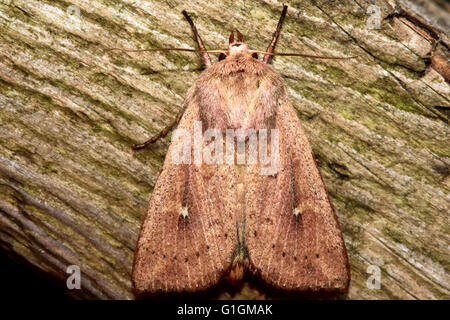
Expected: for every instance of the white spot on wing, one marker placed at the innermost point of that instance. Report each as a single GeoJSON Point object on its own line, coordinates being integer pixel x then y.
{"type": "Point", "coordinates": [184, 212]}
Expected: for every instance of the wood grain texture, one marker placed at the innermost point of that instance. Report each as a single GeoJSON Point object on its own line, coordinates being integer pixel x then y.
{"type": "Point", "coordinates": [73, 192]}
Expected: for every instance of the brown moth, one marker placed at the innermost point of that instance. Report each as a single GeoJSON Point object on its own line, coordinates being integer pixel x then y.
{"type": "Point", "coordinates": [208, 220]}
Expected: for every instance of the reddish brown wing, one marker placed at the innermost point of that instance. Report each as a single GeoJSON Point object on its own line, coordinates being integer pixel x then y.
{"type": "Point", "coordinates": [176, 253]}
{"type": "Point", "coordinates": [296, 252]}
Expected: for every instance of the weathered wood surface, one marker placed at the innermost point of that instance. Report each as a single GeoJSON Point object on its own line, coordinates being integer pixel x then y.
{"type": "Point", "coordinates": [73, 192]}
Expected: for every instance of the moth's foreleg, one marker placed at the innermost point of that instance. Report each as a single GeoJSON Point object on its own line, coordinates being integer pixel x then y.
{"type": "Point", "coordinates": [205, 57]}
{"type": "Point", "coordinates": [162, 133]}
{"type": "Point", "coordinates": [276, 34]}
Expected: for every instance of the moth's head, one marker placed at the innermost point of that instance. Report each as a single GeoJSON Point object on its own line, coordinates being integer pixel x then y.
{"type": "Point", "coordinates": [237, 47]}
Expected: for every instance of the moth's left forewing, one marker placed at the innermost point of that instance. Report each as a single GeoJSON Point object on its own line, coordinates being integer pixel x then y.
{"type": "Point", "coordinates": [187, 240]}
{"type": "Point", "coordinates": [293, 236]}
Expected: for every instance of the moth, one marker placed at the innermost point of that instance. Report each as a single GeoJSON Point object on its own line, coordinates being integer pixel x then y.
{"type": "Point", "coordinates": [209, 220]}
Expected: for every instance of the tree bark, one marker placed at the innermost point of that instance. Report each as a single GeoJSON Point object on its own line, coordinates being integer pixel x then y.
{"type": "Point", "coordinates": [73, 192]}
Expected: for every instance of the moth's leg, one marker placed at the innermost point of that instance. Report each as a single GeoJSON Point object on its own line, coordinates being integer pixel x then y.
{"type": "Point", "coordinates": [267, 58]}
{"type": "Point", "coordinates": [162, 134]}
{"type": "Point", "coordinates": [205, 57]}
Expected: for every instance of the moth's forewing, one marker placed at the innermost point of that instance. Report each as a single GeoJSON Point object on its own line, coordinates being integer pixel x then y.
{"type": "Point", "coordinates": [188, 236]}
{"type": "Point", "coordinates": [292, 234]}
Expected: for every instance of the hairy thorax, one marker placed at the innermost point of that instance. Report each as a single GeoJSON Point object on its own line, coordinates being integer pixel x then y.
{"type": "Point", "coordinates": [239, 92]}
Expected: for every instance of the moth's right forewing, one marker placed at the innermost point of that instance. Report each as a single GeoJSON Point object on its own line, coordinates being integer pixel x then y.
{"type": "Point", "coordinates": [292, 234]}
{"type": "Point", "coordinates": [188, 236]}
